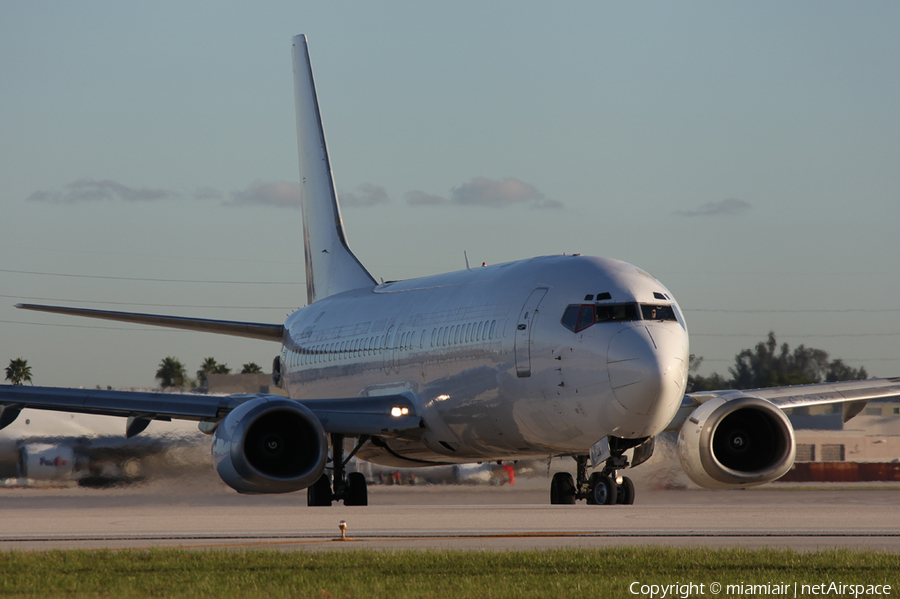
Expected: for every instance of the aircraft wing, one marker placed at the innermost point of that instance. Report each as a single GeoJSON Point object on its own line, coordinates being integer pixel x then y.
{"type": "Point", "coordinates": [852, 394]}
{"type": "Point", "coordinates": [355, 416]}
{"type": "Point", "coordinates": [252, 330]}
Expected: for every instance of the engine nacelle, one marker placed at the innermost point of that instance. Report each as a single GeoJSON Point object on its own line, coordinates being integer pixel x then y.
{"type": "Point", "coordinates": [737, 441]}
{"type": "Point", "coordinates": [42, 461]}
{"type": "Point", "coordinates": [270, 445]}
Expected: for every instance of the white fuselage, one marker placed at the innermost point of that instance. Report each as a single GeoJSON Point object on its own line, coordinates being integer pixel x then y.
{"type": "Point", "coordinates": [496, 373]}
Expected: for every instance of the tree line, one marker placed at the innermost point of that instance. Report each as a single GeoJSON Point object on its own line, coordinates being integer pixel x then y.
{"type": "Point", "coordinates": [770, 365]}
{"type": "Point", "coordinates": [172, 373]}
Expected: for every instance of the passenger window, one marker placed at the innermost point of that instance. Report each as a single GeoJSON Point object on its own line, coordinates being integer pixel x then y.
{"type": "Point", "coordinates": [456, 334]}
{"type": "Point", "coordinates": [480, 332]}
{"type": "Point", "coordinates": [493, 326]}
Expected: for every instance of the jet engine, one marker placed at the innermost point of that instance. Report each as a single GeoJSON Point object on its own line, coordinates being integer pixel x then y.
{"type": "Point", "coordinates": [736, 441]}
{"type": "Point", "coordinates": [270, 445]}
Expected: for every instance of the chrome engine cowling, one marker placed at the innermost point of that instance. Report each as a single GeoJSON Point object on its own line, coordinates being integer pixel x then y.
{"type": "Point", "coordinates": [270, 445]}
{"type": "Point", "coordinates": [736, 441]}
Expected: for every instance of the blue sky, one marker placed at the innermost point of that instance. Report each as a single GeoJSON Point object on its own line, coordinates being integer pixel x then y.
{"type": "Point", "coordinates": [744, 154]}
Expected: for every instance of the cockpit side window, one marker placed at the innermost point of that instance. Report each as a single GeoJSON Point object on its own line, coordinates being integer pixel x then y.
{"type": "Point", "coordinates": [662, 312]}
{"type": "Point", "coordinates": [570, 317]}
{"type": "Point", "coordinates": [585, 318]}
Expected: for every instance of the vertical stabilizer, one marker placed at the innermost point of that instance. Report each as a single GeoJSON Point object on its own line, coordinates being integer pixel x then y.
{"type": "Point", "coordinates": [330, 265]}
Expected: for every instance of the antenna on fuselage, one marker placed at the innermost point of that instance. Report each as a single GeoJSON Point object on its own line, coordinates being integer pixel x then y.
{"type": "Point", "coordinates": [330, 265]}
{"type": "Point", "coordinates": [466, 256]}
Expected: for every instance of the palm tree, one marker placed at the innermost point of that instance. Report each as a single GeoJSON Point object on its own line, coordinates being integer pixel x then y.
{"type": "Point", "coordinates": [252, 368]}
{"type": "Point", "coordinates": [171, 373]}
{"type": "Point", "coordinates": [18, 372]}
{"type": "Point", "coordinates": [210, 366]}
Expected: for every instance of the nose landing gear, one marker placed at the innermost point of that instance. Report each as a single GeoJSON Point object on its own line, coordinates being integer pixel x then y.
{"type": "Point", "coordinates": [602, 488]}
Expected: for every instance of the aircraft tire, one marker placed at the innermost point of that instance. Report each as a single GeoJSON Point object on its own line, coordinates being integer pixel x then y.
{"type": "Point", "coordinates": [319, 493]}
{"type": "Point", "coordinates": [357, 494]}
{"type": "Point", "coordinates": [603, 490]}
{"type": "Point", "coordinates": [625, 494]}
{"type": "Point", "coordinates": [562, 489]}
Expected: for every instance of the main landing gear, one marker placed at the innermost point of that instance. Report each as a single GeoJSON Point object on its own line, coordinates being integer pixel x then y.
{"type": "Point", "coordinates": [351, 489]}
{"type": "Point", "coordinates": [601, 488]}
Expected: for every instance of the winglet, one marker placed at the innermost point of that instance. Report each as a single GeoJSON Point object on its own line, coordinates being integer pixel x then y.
{"type": "Point", "coordinates": [330, 265]}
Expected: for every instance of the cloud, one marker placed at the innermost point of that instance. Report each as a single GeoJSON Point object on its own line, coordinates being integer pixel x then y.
{"type": "Point", "coordinates": [481, 191]}
{"type": "Point", "coordinates": [420, 198]}
{"type": "Point", "coordinates": [92, 190]}
{"type": "Point", "coordinates": [282, 194]}
{"type": "Point", "coordinates": [727, 207]}
{"type": "Point", "coordinates": [207, 193]}
{"type": "Point", "coordinates": [366, 195]}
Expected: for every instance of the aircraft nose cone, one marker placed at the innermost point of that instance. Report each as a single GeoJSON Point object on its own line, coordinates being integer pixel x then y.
{"type": "Point", "coordinates": [647, 368]}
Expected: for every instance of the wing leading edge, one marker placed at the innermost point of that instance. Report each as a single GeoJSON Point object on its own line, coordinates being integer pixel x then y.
{"type": "Point", "coordinates": [251, 330]}
{"type": "Point", "coordinates": [354, 416]}
{"type": "Point", "coordinates": [854, 395]}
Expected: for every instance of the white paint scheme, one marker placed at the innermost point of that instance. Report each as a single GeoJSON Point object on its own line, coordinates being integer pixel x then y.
{"type": "Point", "coordinates": [330, 266]}
{"type": "Point", "coordinates": [494, 396]}
{"type": "Point", "coordinates": [623, 379]}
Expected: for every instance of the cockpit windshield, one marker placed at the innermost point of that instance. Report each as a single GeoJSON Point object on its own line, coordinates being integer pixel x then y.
{"type": "Point", "coordinates": [578, 317]}
{"type": "Point", "coordinates": [615, 312]}
{"type": "Point", "coordinates": [662, 312]}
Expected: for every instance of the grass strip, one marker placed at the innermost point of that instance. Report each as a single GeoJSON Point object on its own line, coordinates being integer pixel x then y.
{"type": "Point", "coordinates": [440, 574]}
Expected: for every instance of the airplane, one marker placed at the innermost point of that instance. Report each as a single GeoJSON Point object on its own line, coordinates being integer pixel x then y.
{"type": "Point", "coordinates": [55, 448]}
{"type": "Point", "coordinates": [566, 355]}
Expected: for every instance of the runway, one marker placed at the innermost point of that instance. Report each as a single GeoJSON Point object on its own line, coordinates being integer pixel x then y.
{"type": "Point", "coordinates": [205, 514]}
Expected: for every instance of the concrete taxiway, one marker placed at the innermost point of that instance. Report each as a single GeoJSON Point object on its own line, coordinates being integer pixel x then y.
{"type": "Point", "coordinates": [206, 514]}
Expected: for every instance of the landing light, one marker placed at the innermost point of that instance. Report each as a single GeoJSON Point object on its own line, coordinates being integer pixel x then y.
{"type": "Point", "coordinates": [398, 411]}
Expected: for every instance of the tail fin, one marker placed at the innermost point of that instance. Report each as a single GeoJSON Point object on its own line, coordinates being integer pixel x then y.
{"type": "Point", "coordinates": [330, 265]}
